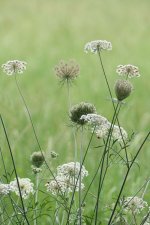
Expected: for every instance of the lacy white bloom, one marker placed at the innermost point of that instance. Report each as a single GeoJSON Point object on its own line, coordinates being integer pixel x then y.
{"type": "Point", "coordinates": [57, 186]}
{"type": "Point", "coordinates": [118, 133]}
{"type": "Point", "coordinates": [71, 170]}
{"type": "Point", "coordinates": [4, 189]}
{"type": "Point", "coordinates": [102, 131]}
{"type": "Point", "coordinates": [134, 204]}
{"type": "Point", "coordinates": [97, 45]}
{"type": "Point", "coordinates": [128, 70]}
{"type": "Point", "coordinates": [14, 66]}
{"type": "Point", "coordinates": [98, 124]}
{"type": "Point", "coordinates": [25, 185]}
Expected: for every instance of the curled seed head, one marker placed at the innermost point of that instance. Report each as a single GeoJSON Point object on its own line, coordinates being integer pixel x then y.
{"type": "Point", "coordinates": [80, 109]}
{"type": "Point", "coordinates": [123, 89]}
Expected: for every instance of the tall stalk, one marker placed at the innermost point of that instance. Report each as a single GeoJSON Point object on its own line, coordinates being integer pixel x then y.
{"type": "Point", "coordinates": [15, 170]}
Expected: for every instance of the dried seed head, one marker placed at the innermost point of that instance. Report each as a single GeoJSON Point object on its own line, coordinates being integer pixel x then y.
{"type": "Point", "coordinates": [37, 159]}
{"type": "Point", "coordinates": [123, 89]}
{"type": "Point", "coordinates": [67, 71]}
{"type": "Point", "coordinates": [81, 109]}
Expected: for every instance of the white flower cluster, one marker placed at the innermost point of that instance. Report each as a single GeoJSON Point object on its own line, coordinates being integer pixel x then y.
{"type": "Point", "coordinates": [128, 70]}
{"type": "Point", "coordinates": [25, 185]}
{"type": "Point", "coordinates": [97, 45]}
{"type": "Point", "coordinates": [4, 189]}
{"type": "Point", "coordinates": [101, 126]}
{"type": "Point", "coordinates": [134, 204]}
{"type": "Point", "coordinates": [67, 179]}
{"type": "Point", "coordinates": [147, 217]}
{"type": "Point", "coordinates": [14, 66]}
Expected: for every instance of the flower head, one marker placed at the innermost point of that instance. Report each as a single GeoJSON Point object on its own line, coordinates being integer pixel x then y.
{"type": "Point", "coordinates": [128, 70]}
{"type": "Point", "coordinates": [98, 124]}
{"type": "Point", "coordinates": [97, 45]}
{"type": "Point", "coordinates": [123, 89]}
{"type": "Point", "coordinates": [78, 110]}
{"type": "Point", "coordinates": [67, 180]}
{"type": "Point", "coordinates": [25, 185]}
{"type": "Point", "coordinates": [71, 170]}
{"type": "Point", "coordinates": [67, 71]}
{"type": "Point", "coordinates": [14, 67]}
{"type": "Point", "coordinates": [119, 134]}
{"type": "Point", "coordinates": [134, 204]}
{"type": "Point", "coordinates": [37, 159]}
{"type": "Point", "coordinates": [4, 189]}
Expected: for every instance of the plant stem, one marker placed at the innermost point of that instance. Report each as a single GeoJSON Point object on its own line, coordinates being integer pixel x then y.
{"type": "Point", "coordinates": [36, 199]}
{"type": "Point", "coordinates": [125, 178]}
{"type": "Point", "coordinates": [15, 170]}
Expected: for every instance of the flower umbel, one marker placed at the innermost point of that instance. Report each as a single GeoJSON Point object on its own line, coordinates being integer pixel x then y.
{"type": "Point", "coordinates": [79, 110]}
{"type": "Point", "coordinates": [67, 71]}
{"type": "Point", "coordinates": [128, 70]}
{"type": "Point", "coordinates": [97, 45]}
{"type": "Point", "coordinates": [4, 189]}
{"type": "Point", "coordinates": [14, 67]}
{"type": "Point", "coordinates": [134, 204]}
{"type": "Point", "coordinates": [26, 187]}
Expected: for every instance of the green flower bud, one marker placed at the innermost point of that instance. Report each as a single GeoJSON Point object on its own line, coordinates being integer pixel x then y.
{"type": "Point", "coordinates": [37, 159]}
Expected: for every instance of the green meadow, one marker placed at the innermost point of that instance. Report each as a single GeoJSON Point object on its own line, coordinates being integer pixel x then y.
{"type": "Point", "coordinates": [42, 32]}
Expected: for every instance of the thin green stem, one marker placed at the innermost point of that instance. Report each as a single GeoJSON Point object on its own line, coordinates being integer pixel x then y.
{"type": "Point", "coordinates": [125, 178]}
{"type": "Point", "coordinates": [15, 170]}
{"type": "Point", "coordinates": [36, 199]}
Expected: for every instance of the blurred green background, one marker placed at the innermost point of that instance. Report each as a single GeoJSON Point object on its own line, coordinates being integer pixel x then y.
{"type": "Point", "coordinates": [42, 32]}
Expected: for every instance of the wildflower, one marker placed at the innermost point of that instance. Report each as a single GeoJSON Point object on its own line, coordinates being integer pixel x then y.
{"type": "Point", "coordinates": [134, 204]}
{"type": "Point", "coordinates": [128, 70]}
{"type": "Point", "coordinates": [37, 159]}
{"type": "Point", "coordinates": [4, 189]}
{"type": "Point", "coordinates": [14, 67]}
{"type": "Point", "coordinates": [81, 109]}
{"type": "Point", "coordinates": [93, 119]}
{"type": "Point", "coordinates": [123, 89]}
{"type": "Point", "coordinates": [98, 124]}
{"type": "Point", "coordinates": [119, 133]}
{"type": "Point", "coordinates": [25, 185]}
{"type": "Point", "coordinates": [57, 186]}
{"type": "Point", "coordinates": [102, 131]}
{"type": "Point", "coordinates": [71, 170]}
{"type": "Point", "coordinates": [97, 45]}
{"type": "Point", "coordinates": [67, 71]}
{"type": "Point", "coordinates": [36, 169]}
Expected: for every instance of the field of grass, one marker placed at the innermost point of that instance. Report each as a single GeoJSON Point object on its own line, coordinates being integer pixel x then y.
{"type": "Point", "coordinates": [42, 32]}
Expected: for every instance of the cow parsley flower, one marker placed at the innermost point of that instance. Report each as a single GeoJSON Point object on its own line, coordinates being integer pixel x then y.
{"type": "Point", "coordinates": [97, 45]}
{"type": "Point", "coordinates": [62, 185]}
{"type": "Point", "coordinates": [134, 204]}
{"type": "Point", "coordinates": [67, 71]}
{"type": "Point", "coordinates": [14, 67]}
{"type": "Point", "coordinates": [118, 133]}
{"type": "Point", "coordinates": [128, 70]}
{"type": "Point", "coordinates": [57, 186]}
{"type": "Point", "coordinates": [4, 189]}
{"type": "Point", "coordinates": [71, 170]}
{"type": "Point", "coordinates": [25, 185]}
